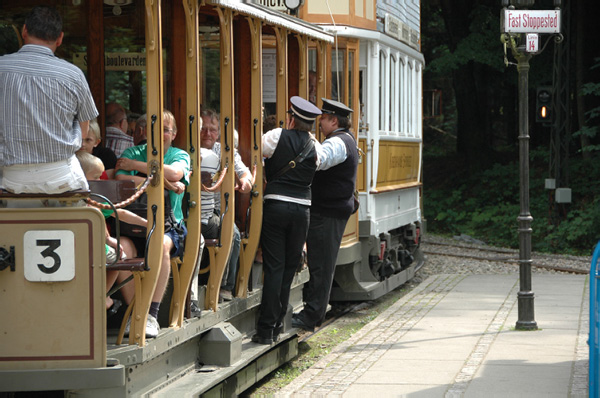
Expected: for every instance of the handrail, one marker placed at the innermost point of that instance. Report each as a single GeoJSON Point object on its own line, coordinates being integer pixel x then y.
{"type": "Point", "coordinates": [117, 227]}
{"type": "Point", "coordinates": [126, 202]}
{"type": "Point", "coordinates": [217, 185]}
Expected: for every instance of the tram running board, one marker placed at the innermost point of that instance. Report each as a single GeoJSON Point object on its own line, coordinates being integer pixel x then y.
{"type": "Point", "coordinates": [256, 362]}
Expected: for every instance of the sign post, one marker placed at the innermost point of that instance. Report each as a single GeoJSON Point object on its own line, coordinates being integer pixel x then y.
{"type": "Point", "coordinates": [521, 30]}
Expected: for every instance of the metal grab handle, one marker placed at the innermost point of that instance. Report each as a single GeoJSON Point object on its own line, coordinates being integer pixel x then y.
{"type": "Point", "coordinates": [154, 210]}
{"type": "Point", "coordinates": [192, 149]}
{"type": "Point", "coordinates": [255, 123]}
{"type": "Point", "coordinates": [226, 195]}
{"type": "Point", "coordinates": [154, 151]}
{"type": "Point", "coordinates": [117, 227]}
{"type": "Point", "coordinates": [227, 148]}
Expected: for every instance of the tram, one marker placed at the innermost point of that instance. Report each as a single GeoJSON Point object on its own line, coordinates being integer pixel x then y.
{"type": "Point", "coordinates": [244, 60]}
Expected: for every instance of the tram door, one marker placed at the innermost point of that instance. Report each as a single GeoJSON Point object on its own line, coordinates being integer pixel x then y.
{"type": "Point", "coordinates": [345, 88]}
{"type": "Point", "coordinates": [52, 288]}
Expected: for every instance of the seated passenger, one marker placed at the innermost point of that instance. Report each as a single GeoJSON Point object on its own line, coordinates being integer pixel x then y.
{"type": "Point", "coordinates": [93, 168]}
{"type": "Point", "coordinates": [208, 215]}
{"type": "Point", "coordinates": [90, 144]}
{"type": "Point", "coordinates": [176, 170]}
{"type": "Point", "coordinates": [209, 139]}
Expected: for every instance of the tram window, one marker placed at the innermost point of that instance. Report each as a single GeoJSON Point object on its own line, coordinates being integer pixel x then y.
{"type": "Point", "coordinates": [361, 90]}
{"type": "Point", "coordinates": [402, 98]}
{"type": "Point", "coordinates": [351, 55]}
{"type": "Point", "coordinates": [312, 75]}
{"type": "Point", "coordinates": [337, 74]}
{"type": "Point", "coordinates": [411, 96]}
{"type": "Point", "coordinates": [211, 77]}
{"type": "Point", "coordinates": [382, 88]}
{"type": "Point", "coordinates": [125, 57]}
{"type": "Point", "coordinates": [269, 77]}
{"type": "Point", "coordinates": [392, 108]}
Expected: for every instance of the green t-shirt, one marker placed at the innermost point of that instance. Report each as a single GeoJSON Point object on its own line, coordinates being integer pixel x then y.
{"type": "Point", "coordinates": [173, 156]}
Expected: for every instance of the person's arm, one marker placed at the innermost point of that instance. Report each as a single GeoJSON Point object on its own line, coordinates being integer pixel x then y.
{"type": "Point", "coordinates": [131, 218]}
{"type": "Point", "coordinates": [174, 172]}
{"type": "Point", "coordinates": [245, 182]}
{"type": "Point", "coordinates": [331, 153]}
{"type": "Point", "coordinates": [269, 141]}
{"type": "Point", "coordinates": [127, 164]}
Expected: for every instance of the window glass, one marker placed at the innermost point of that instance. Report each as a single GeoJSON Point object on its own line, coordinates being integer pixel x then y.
{"type": "Point", "coordinates": [337, 74]}
{"type": "Point", "coordinates": [382, 88]}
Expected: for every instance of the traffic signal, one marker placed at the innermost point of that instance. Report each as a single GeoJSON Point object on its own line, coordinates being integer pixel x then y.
{"type": "Point", "coordinates": [543, 105]}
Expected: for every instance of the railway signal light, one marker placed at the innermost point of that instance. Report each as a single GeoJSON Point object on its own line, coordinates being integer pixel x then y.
{"type": "Point", "coordinates": [543, 104]}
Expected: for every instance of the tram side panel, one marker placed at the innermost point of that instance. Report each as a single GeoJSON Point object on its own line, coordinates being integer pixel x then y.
{"type": "Point", "coordinates": [389, 177]}
{"type": "Point", "coordinates": [52, 290]}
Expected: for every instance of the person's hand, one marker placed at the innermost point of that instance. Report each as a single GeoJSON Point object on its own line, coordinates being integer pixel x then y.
{"type": "Point", "coordinates": [244, 185]}
{"type": "Point", "coordinates": [125, 164]}
{"type": "Point", "coordinates": [179, 187]}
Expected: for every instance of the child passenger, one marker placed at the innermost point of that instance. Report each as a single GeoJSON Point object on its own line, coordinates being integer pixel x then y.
{"type": "Point", "coordinates": [93, 168]}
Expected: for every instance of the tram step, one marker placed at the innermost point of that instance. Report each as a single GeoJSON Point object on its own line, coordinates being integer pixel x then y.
{"type": "Point", "coordinates": [256, 361]}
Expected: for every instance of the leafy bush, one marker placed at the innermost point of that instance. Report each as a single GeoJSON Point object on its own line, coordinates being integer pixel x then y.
{"type": "Point", "coordinates": [486, 204]}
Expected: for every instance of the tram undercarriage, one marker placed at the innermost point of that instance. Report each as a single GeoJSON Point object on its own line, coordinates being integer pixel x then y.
{"type": "Point", "coordinates": [377, 265]}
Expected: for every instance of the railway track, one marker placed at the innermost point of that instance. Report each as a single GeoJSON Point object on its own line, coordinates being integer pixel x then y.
{"type": "Point", "coordinates": [511, 256]}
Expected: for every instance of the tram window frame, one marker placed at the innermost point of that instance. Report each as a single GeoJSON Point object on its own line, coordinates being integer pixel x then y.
{"type": "Point", "coordinates": [412, 96]}
{"type": "Point", "coordinates": [336, 70]}
{"type": "Point", "coordinates": [393, 94]}
{"type": "Point", "coordinates": [403, 98]}
{"type": "Point", "coordinates": [382, 90]}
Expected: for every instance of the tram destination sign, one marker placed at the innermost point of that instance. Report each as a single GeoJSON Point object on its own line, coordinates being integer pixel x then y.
{"type": "Point", "coordinates": [530, 21]}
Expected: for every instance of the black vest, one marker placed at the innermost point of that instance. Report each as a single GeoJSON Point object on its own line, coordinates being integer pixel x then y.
{"type": "Point", "coordinates": [333, 189]}
{"type": "Point", "coordinates": [296, 181]}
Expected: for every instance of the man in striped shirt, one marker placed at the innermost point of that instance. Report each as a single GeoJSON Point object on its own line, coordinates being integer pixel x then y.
{"type": "Point", "coordinates": [45, 104]}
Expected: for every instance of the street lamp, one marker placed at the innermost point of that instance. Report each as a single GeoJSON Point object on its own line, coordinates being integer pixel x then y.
{"type": "Point", "coordinates": [521, 30]}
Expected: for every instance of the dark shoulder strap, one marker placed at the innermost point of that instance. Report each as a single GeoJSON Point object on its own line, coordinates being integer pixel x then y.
{"type": "Point", "coordinates": [298, 159]}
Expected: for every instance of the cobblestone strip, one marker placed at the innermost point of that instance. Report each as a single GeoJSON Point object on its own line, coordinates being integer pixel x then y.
{"type": "Point", "coordinates": [579, 378]}
{"type": "Point", "coordinates": [333, 374]}
{"type": "Point", "coordinates": [475, 359]}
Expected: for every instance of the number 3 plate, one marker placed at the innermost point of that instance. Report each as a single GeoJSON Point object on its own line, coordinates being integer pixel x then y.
{"type": "Point", "coordinates": [49, 256]}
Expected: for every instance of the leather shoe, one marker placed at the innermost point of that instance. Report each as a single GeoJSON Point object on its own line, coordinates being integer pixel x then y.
{"type": "Point", "coordinates": [114, 308]}
{"type": "Point", "coordinates": [276, 332]}
{"type": "Point", "coordinates": [262, 340]}
{"type": "Point", "coordinates": [298, 323]}
{"type": "Point", "coordinates": [194, 310]}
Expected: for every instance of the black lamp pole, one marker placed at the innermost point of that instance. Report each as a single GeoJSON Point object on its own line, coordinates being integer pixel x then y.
{"type": "Point", "coordinates": [517, 44]}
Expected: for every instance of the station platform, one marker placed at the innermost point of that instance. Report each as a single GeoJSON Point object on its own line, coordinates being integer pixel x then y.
{"type": "Point", "coordinates": [455, 336]}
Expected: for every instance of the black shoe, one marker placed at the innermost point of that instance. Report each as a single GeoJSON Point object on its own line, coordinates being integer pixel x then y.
{"type": "Point", "coordinates": [298, 323]}
{"type": "Point", "coordinates": [114, 308]}
{"type": "Point", "coordinates": [194, 310]}
{"type": "Point", "coordinates": [262, 340]}
{"type": "Point", "coordinates": [276, 332]}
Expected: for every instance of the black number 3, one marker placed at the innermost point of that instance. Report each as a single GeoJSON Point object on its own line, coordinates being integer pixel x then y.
{"type": "Point", "coordinates": [52, 244]}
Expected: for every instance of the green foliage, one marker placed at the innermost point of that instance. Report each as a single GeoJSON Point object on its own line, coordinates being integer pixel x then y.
{"type": "Point", "coordinates": [475, 47]}
{"type": "Point", "coordinates": [486, 204]}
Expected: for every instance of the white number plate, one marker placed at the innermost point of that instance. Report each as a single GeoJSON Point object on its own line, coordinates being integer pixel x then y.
{"type": "Point", "coordinates": [49, 256]}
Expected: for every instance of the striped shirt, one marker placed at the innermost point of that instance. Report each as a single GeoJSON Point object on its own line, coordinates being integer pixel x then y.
{"type": "Point", "coordinates": [117, 140]}
{"type": "Point", "coordinates": [42, 101]}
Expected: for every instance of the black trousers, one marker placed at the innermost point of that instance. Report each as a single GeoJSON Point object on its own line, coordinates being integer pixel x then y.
{"type": "Point", "coordinates": [322, 244]}
{"type": "Point", "coordinates": [284, 230]}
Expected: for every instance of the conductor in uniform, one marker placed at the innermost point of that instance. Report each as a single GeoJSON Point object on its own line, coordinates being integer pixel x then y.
{"type": "Point", "coordinates": [332, 204]}
{"type": "Point", "coordinates": [290, 165]}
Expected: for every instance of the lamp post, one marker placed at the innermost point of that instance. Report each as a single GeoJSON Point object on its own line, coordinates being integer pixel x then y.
{"type": "Point", "coordinates": [523, 46]}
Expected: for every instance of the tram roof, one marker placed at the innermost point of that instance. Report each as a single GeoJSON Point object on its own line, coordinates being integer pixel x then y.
{"type": "Point", "coordinates": [276, 18]}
